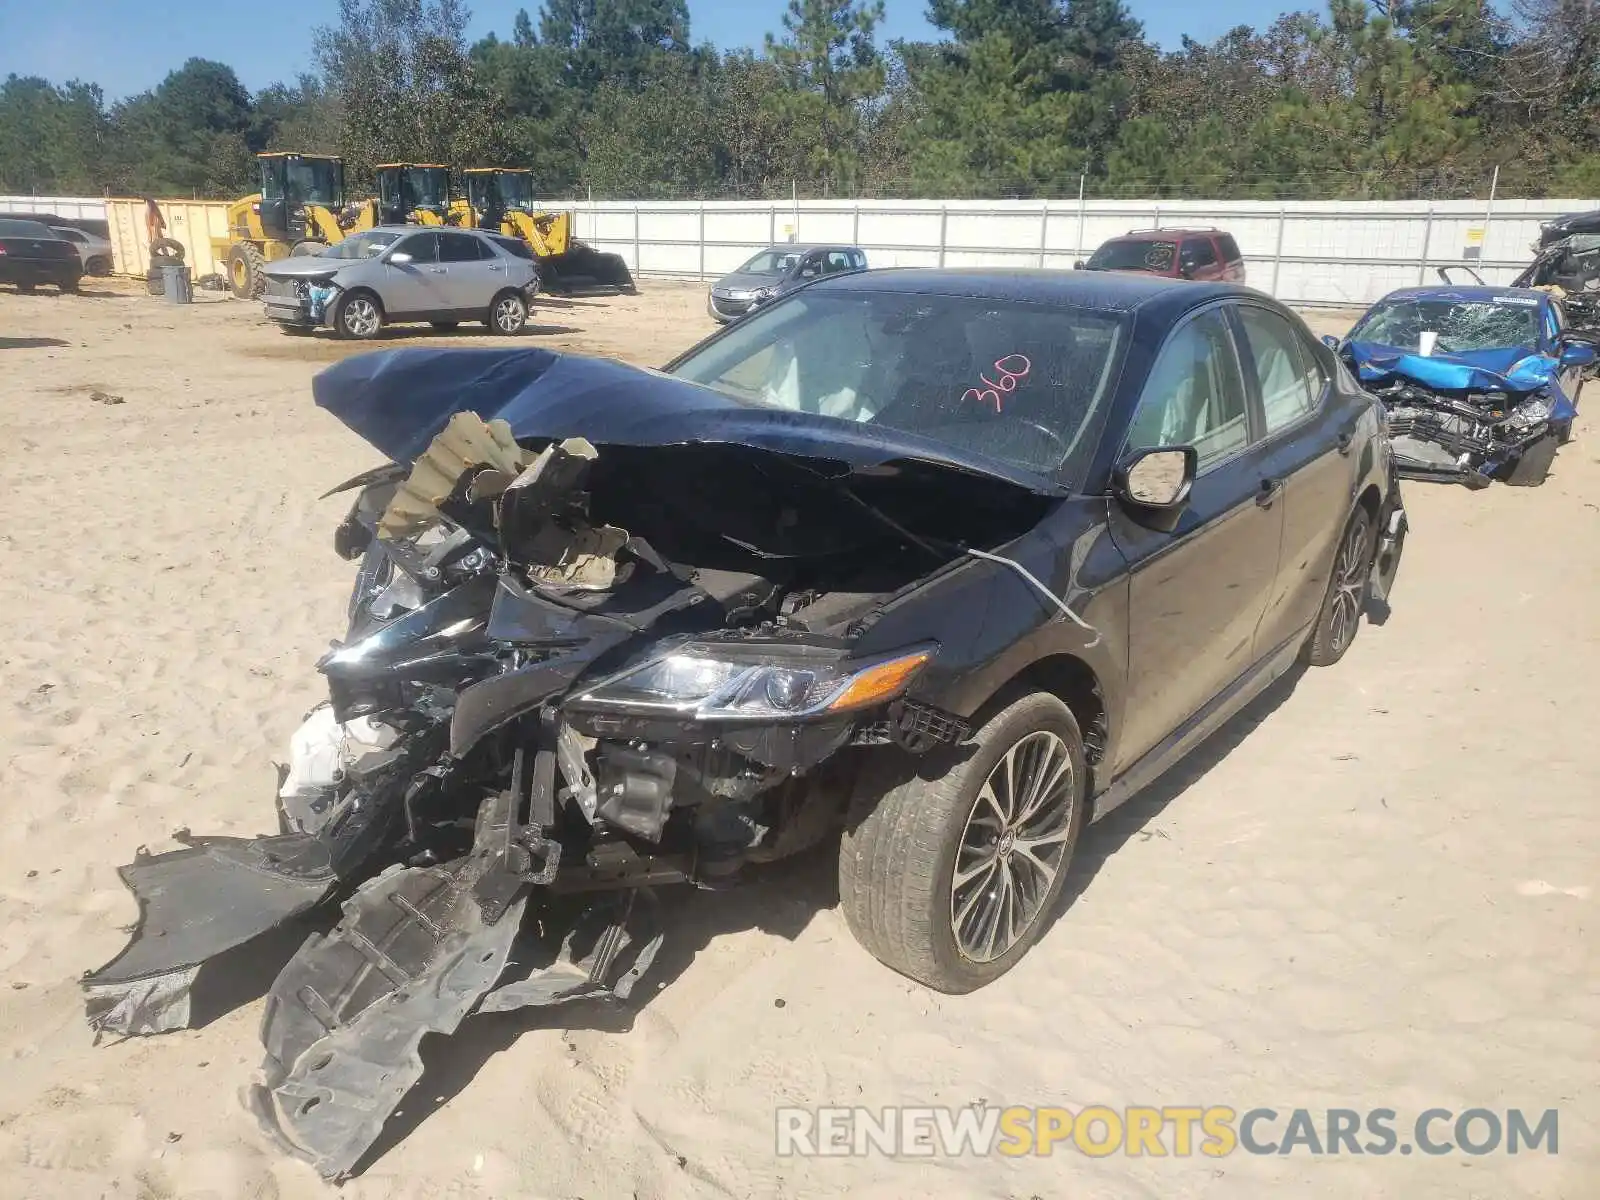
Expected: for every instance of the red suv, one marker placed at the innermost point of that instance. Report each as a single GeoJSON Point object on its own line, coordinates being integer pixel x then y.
{"type": "Point", "coordinates": [1175, 253]}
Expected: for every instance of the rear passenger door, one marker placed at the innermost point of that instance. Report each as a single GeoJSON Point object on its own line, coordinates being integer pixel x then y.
{"type": "Point", "coordinates": [1306, 444]}
{"type": "Point", "coordinates": [469, 269]}
{"type": "Point", "coordinates": [1196, 594]}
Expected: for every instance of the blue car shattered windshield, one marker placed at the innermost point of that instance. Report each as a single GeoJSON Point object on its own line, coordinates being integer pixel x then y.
{"type": "Point", "coordinates": [1462, 326]}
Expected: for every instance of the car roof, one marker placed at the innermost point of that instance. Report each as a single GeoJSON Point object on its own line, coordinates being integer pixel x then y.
{"type": "Point", "coordinates": [1103, 290]}
{"type": "Point", "coordinates": [1161, 235]}
{"type": "Point", "coordinates": [807, 247]}
{"type": "Point", "coordinates": [1477, 292]}
{"type": "Point", "coordinates": [428, 229]}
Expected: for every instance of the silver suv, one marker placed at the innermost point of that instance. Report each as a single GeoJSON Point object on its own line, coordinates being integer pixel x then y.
{"type": "Point", "coordinates": [398, 273]}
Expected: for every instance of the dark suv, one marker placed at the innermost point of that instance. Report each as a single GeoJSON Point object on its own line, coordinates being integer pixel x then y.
{"type": "Point", "coordinates": [1173, 253]}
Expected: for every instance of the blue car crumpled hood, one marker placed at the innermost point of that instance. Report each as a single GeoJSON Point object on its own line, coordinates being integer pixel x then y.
{"type": "Point", "coordinates": [399, 400]}
{"type": "Point", "coordinates": [1501, 369]}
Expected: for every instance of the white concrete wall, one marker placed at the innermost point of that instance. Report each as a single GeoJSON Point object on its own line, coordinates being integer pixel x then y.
{"type": "Point", "coordinates": [86, 208]}
{"type": "Point", "coordinates": [1305, 252]}
{"type": "Point", "coordinates": [1341, 252]}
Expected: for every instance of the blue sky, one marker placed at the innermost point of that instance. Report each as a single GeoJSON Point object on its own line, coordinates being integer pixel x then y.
{"type": "Point", "coordinates": [122, 46]}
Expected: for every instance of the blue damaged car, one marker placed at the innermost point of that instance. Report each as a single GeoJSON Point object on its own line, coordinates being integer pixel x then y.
{"type": "Point", "coordinates": [1479, 383]}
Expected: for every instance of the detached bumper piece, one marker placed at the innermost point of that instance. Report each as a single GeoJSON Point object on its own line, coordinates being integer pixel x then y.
{"type": "Point", "coordinates": [418, 949]}
{"type": "Point", "coordinates": [194, 904]}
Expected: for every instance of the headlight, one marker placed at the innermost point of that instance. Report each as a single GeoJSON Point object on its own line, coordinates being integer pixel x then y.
{"type": "Point", "coordinates": [1532, 412]}
{"type": "Point", "coordinates": [710, 682]}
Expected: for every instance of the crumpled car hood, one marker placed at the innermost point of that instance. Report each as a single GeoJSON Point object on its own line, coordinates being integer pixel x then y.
{"type": "Point", "coordinates": [1500, 369]}
{"type": "Point", "coordinates": [399, 400]}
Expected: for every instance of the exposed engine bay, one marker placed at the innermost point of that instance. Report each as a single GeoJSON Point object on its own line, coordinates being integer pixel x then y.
{"type": "Point", "coordinates": [571, 672]}
{"type": "Point", "coordinates": [1473, 436]}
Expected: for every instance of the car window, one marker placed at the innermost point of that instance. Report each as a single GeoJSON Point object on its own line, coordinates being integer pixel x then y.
{"type": "Point", "coordinates": [1133, 255]}
{"type": "Point", "coordinates": [72, 235]}
{"type": "Point", "coordinates": [858, 260]}
{"type": "Point", "coordinates": [1013, 381]}
{"type": "Point", "coordinates": [1230, 248]}
{"type": "Point", "coordinates": [457, 247]}
{"type": "Point", "coordinates": [423, 247]}
{"type": "Point", "coordinates": [1194, 396]}
{"type": "Point", "coordinates": [515, 246]}
{"type": "Point", "coordinates": [1286, 387]}
{"type": "Point", "coordinates": [25, 229]}
{"type": "Point", "coordinates": [1553, 319]}
{"type": "Point", "coordinates": [1199, 252]}
{"type": "Point", "coordinates": [811, 266]}
{"type": "Point", "coordinates": [837, 260]}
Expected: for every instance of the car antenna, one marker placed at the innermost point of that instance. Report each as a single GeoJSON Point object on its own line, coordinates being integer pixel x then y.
{"type": "Point", "coordinates": [1040, 587]}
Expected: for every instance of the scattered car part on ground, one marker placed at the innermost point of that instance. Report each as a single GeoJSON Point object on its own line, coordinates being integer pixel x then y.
{"type": "Point", "coordinates": [403, 273]}
{"type": "Point", "coordinates": [777, 271]}
{"type": "Point", "coordinates": [1201, 254]}
{"type": "Point", "coordinates": [31, 254]}
{"type": "Point", "coordinates": [1479, 383]}
{"type": "Point", "coordinates": [946, 563]}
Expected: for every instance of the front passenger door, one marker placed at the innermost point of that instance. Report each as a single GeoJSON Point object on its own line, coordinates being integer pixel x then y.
{"type": "Point", "coordinates": [1196, 593]}
{"type": "Point", "coordinates": [412, 287]}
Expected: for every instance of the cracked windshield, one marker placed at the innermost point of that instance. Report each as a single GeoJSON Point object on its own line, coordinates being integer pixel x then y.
{"type": "Point", "coordinates": [1461, 325]}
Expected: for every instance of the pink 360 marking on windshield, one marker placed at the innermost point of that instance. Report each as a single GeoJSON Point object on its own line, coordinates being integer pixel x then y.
{"type": "Point", "coordinates": [1011, 369]}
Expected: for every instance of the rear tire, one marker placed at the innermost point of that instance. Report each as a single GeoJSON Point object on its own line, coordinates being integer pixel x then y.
{"type": "Point", "coordinates": [246, 271]}
{"type": "Point", "coordinates": [907, 839]}
{"type": "Point", "coordinates": [25, 288]}
{"type": "Point", "coordinates": [99, 267]}
{"type": "Point", "coordinates": [358, 315]}
{"type": "Point", "coordinates": [508, 314]}
{"type": "Point", "coordinates": [1346, 599]}
{"type": "Point", "coordinates": [68, 285]}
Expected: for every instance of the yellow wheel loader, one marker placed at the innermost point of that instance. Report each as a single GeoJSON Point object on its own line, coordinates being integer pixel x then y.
{"type": "Point", "coordinates": [301, 208]}
{"type": "Point", "coordinates": [299, 202]}
{"type": "Point", "coordinates": [501, 199]}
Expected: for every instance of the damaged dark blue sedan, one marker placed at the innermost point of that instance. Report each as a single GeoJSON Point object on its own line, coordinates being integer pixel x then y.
{"type": "Point", "coordinates": [1480, 383]}
{"type": "Point", "coordinates": [933, 566]}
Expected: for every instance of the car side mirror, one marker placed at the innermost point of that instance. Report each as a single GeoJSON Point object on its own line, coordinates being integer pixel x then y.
{"type": "Point", "coordinates": [399, 258]}
{"type": "Point", "coordinates": [1331, 342]}
{"type": "Point", "coordinates": [1079, 265]}
{"type": "Point", "coordinates": [1155, 484]}
{"type": "Point", "coordinates": [1578, 354]}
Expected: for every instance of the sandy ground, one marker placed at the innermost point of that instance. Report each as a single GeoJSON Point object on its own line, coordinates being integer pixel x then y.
{"type": "Point", "coordinates": [1370, 891]}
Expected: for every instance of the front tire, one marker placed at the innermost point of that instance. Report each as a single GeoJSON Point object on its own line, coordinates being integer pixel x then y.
{"type": "Point", "coordinates": [357, 316]}
{"type": "Point", "coordinates": [246, 271]}
{"type": "Point", "coordinates": [950, 875]}
{"type": "Point", "coordinates": [508, 313]}
{"type": "Point", "coordinates": [1346, 597]}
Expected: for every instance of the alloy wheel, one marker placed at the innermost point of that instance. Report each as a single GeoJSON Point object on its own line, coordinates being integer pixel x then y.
{"type": "Point", "coordinates": [361, 317]}
{"type": "Point", "coordinates": [509, 314]}
{"type": "Point", "coordinates": [1013, 846]}
{"type": "Point", "coordinates": [1349, 585]}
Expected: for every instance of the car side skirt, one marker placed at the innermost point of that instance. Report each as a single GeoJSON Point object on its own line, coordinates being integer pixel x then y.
{"type": "Point", "coordinates": [1225, 705]}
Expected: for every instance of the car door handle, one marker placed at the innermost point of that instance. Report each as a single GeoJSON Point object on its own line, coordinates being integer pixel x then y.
{"type": "Point", "coordinates": [495, 267]}
{"type": "Point", "coordinates": [1268, 492]}
{"type": "Point", "coordinates": [437, 270]}
{"type": "Point", "coordinates": [1346, 437]}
